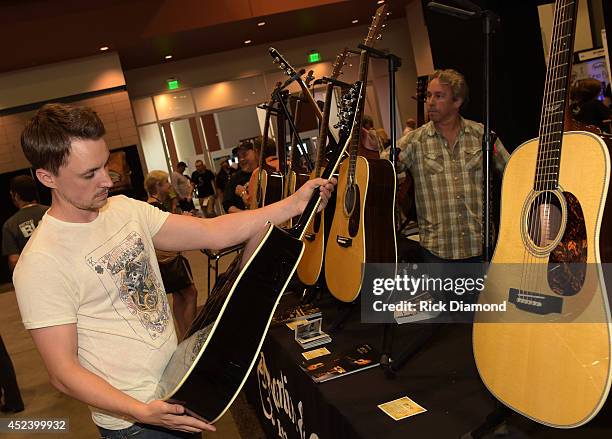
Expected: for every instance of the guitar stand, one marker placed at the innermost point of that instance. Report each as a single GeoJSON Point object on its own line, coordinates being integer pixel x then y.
{"type": "Point", "coordinates": [312, 294]}
{"type": "Point", "coordinates": [495, 421]}
{"type": "Point", "coordinates": [344, 312]}
{"type": "Point", "coordinates": [293, 129]}
{"type": "Point", "coordinates": [419, 341]}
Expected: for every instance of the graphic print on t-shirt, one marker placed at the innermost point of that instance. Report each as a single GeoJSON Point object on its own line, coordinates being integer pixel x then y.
{"type": "Point", "coordinates": [128, 265]}
{"type": "Point", "coordinates": [27, 228]}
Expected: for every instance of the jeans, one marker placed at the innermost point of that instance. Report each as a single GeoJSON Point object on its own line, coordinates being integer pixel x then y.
{"type": "Point", "coordinates": [141, 431]}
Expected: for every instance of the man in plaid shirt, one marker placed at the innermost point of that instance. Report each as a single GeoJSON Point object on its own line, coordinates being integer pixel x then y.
{"type": "Point", "coordinates": [445, 159]}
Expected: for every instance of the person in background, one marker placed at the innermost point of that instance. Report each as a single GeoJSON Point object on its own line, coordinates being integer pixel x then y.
{"type": "Point", "coordinates": [223, 177]}
{"type": "Point", "coordinates": [586, 106]}
{"type": "Point", "coordinates": [174, 267]}
{"type": "Point", "coordinates": [182, 187]}
{"type": "Point", "coordinates": [16, 232]}
{"type": "Point", "coordinates": [444, 157]}
{"type": "Point", "coordinates": [18, 228]}
{"type": "Point", "coordinates": [203, 179]}
{"type": "Point", "coordinates": [235, 192]}
{"type": "Point", "coordinates": [369, 143]}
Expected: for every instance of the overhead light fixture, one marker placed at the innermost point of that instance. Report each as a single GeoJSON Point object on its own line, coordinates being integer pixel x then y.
{"type": "Point", "coordinates": [168, 57]}
{"type": "Point", "coordinates": [380, 2]}
{"type": "Point", "coordinates": [261, 23]}
{"type": "Point", "coordinates": [355, 21]}
{"type": "Point", "coordinates": [247, 41]}
{"type": "Point", "coordinates": [104, 48]}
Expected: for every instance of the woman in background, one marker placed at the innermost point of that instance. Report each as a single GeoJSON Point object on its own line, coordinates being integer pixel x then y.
{"type": "Point", "coordinates": [174, 267]}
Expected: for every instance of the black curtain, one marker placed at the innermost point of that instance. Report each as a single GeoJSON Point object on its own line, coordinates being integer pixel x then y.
{"type": "Point", "coordinates": [518, 64]}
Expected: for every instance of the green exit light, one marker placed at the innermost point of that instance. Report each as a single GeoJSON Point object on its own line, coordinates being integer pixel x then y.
{"type": "Point", "coordinates": [173, 84]}
{"type": "Point", "coordinates": [314, 57]}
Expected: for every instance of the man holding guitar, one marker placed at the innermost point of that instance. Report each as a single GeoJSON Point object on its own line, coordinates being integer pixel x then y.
{"type": "Point", "coordinates": [445, 159]}
{"type": "Point", "coordinates": [88, 283]}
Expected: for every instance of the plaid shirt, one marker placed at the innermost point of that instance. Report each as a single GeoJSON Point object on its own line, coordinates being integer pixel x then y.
{"type": "Point", "coordinates": [448, 187]}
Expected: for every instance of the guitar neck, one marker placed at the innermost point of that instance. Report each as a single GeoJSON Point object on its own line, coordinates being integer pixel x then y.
{"type": "Point", "coordinates": [356, 138]}
{"type": "Point", "coordinates": [282, 137]}
{"type": "Point", "coordinates": [294, 141]}
{"type": "Point", "coordinates": [555, 96]}
{"type": "Point", "coordinates": [322, 140]}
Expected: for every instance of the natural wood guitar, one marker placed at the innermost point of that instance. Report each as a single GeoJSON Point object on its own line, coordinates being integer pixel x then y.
{"type": "Point", "coordinates": [548, 355]}
{"type": "Point", "coordinates": [311, 265]}
{"type": "Point", "coordinates": [363, 228]}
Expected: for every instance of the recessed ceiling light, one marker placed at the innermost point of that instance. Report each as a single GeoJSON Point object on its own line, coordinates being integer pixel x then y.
{"type": "Point", "coordinates": [380, 2]}
{"type": "Point", "coordinates": [104, 48]}
{"type": "Point", "coordinates": [247, 41]}
{"type": "Point", "coordinates": [168, 56]}
{"type": "Point", "coordinates": [261, 23]}
{"type": "Point", "coordinates": [355, 21]}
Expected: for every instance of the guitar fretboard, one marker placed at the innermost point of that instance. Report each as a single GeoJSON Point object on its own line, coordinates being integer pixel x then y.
{"type": "Point", "coordinates": [356, 140]}
{"type": "Point", "coordinates": [555, 96]}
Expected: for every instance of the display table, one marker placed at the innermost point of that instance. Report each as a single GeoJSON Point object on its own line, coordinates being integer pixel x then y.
{"type": "Point", "coordinates": [442, 377]}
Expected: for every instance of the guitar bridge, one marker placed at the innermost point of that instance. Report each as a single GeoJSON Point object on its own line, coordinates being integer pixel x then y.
{"type": "Point", "coordinates": [309, 236]}
{"type": "Point", "coordinates": [535, 303]}
{"type": "Point", "coordinates": [343, 241]}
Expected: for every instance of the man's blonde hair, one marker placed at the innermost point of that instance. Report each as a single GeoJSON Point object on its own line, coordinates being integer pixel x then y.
{"type": "Point", "coordinates": [154, 178]}
{"type": "Point", "coordinates": [455, 81]}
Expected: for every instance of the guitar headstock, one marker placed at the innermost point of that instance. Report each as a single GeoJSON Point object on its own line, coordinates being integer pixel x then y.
{"type": "Point", "coordinates": [339, 63]}
{"type": "Point", "coordinates": [309, 78]}
{"type": "Point", "coordinates": [277, 58]}
{"type": "Point", "coordinates": [348, 109]}
{"type": "Point", "coordinates": [374, 31]}
{"type": "Point", "coordinates": [421, 89]}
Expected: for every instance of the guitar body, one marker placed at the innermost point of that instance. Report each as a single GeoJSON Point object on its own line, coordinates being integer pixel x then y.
{"type": "Point", "coordinates": [209, 368]}
{"type": "Point", "coordinates": [548, 356]}
{"type": "Point", "coordinates": [309, 268]}
{"type": "Point", "coordinates": [364, 234]}
{"type": "Point", "coordinates": [270, 191]}
{"type": "Point", "coordinates": [274, 187]}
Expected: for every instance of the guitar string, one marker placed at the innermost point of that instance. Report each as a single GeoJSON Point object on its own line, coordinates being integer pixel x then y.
{"type": "Point", "coordinates": [542, 215]}
{"type": "Point", "coordinates": [558, 97]}
{"type": "Point", "coordinates": [554, 143]}
{"type": "Point", "coordinates": [531, 218]}
{"type": "Point", "coordinates": [539, 211]}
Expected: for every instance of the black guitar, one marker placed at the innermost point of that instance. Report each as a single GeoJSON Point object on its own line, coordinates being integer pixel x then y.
{"type": "Point", "coordinates": [210, 366]}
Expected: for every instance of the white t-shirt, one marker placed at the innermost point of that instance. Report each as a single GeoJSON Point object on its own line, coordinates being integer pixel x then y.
{"type": "Point", "coordinates": [104, 277]}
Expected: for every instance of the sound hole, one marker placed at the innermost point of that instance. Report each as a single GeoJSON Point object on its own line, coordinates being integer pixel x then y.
{"type": "Point", "coordinates": [544, 219]}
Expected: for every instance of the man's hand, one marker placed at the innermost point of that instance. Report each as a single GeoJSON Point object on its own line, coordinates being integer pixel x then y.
{"type": "Point", "coordinates": [171, 416]}
{"type": "Point", "coordinates": [302, 196]}
{"type": "Point", "coordinates": [240, 190]}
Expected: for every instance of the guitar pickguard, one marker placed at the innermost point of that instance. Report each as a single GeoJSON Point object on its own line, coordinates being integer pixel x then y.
{"type": "Point", "coordinates": [355, 212]}
{"type": "Point", "coordinates": [567, 262]}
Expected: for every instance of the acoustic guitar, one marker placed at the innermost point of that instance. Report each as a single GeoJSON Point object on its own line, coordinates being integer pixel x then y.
{"type": "Point", "coordinates": [311, 265]}
{"type": "Point", "coordinates": [548, 355]}
{"type": "Point", "coordinates": [363, 228]}
{"type": "Point", "coordinates": [211, 365]}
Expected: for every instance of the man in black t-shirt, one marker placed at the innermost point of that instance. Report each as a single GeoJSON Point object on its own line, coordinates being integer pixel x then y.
{"type": "Point", "coordinates": [233, 198]}
{"type": "Point", "coordinates": [19, 227]}
{"type": "Point", "coordinates": [203, 179]}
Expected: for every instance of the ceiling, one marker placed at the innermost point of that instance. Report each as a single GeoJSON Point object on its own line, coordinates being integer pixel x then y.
{"type": "Point", "coordinates": [143, 32]}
